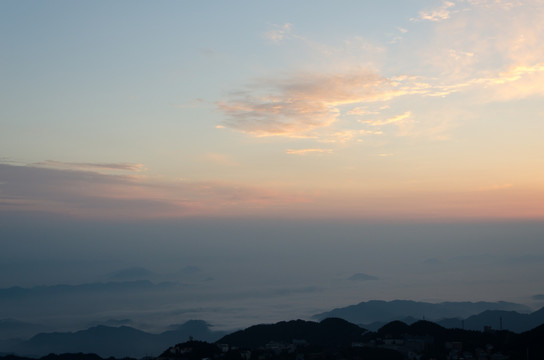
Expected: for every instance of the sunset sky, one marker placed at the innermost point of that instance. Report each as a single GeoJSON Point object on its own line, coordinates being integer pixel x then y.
{"type": "Point", "coordinates": [206, 120]}
{"type": "Point", "coordinates": [380, 110]}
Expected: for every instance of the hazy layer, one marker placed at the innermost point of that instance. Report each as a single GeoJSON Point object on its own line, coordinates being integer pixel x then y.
{"type": "Point", "coordinates": [235, 273]}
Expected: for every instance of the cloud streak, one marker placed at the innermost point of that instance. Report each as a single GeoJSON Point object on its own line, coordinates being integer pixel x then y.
{"type": "Point", "coordinates": [91, 166]}
{"type": "Point", "coordinates": [92, 194]}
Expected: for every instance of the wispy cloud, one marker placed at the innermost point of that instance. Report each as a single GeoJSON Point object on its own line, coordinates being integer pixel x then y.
{"type": "Point", "coordinates": [398, 36]}
{"type": "Point", "coordinates": [394, 120]}
{"type": "Point", "coordinates": [438, 14]}
{"type": "Point", "coordinates": [279, 32]}
{"type": "Point", "coordinates": [516, 82]}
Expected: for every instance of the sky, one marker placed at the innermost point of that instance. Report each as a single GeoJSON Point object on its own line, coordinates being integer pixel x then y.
{"type": "Point", "coordinates": [257, 127]}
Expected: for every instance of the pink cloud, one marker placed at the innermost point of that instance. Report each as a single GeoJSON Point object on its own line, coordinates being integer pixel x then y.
{"type": "Point", "coordinates": [295, 105]}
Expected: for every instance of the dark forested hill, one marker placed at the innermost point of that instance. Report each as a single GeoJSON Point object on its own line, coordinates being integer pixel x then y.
{"type": "Point", "coordinates": [337, 339]}
{"type": "Point", "coordinates": [329, 332]}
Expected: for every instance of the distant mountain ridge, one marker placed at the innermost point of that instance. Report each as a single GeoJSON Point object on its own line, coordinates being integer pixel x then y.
{"type": "Point", "coordinates": [499, 319]}
{"type": "Point", "coordinates": [386, 311]}
{"type": "Point", "coordinates": [109, 341]}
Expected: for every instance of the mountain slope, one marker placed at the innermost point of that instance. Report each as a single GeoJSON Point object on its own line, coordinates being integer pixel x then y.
{"type": "Point", "coordinates": [510, 320]}
{"type": "Point", "coordinates": [114, 341]}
